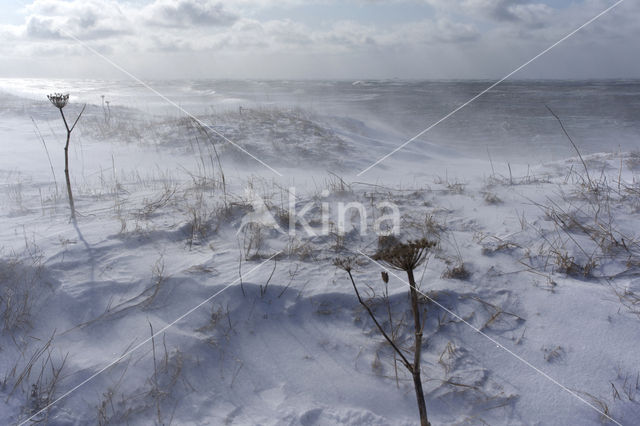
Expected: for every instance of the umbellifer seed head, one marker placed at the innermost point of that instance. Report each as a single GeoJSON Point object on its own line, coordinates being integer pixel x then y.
{"type": "Point", "coordinates": [59, 100]}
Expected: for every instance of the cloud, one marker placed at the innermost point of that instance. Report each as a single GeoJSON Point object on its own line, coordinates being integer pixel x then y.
{"type": "Point", "coordinates": [516, 11]}
{"type": "Point", "coordinates": [348, 35]}
{"type": "Point", "coordinates": [288, 32]}
{"type": "Point", "coordinates": [167, 43]}
{"type": "Point", "coordinates": [187, 13]}
{"type": "Point", "coordinates": [448, 31]}
{"type": "Point", "coordinates": [163, 25]}
{"type": "Point", "coordinates": [201, 25]}
{"type": "Point", "coordinates": [431, 32]}
{"type": "Point", "coordinates": [87, 20]}
{"type": "Point", "coordinates": [100, 19]}
{"type": "Point", "coordinates": [519, 12]}
{"type": "Point", "coordinates": [45, 28]}
{"type": "Point", "coordinates": [483, 36]}
{"type": "Point", "coordinates": [533, 15]}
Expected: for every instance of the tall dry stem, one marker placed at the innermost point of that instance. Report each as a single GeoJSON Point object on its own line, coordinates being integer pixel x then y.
{"type": "Point", "coordinates": [405, 257]}
{"type": "Point", "coordinates": [60, 100]}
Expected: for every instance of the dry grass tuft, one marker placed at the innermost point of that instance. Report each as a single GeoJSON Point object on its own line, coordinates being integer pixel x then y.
{"type": "Point", "coordinates": [21, 288]}
{"type": "Point", "coordinates": [456, 271]}
{"type": "Point", "coordinates": [36, 380]}
{"type": "Point", "coordinates": [566, 264]}
{"type": "Point", "coordinates": [492, 198]}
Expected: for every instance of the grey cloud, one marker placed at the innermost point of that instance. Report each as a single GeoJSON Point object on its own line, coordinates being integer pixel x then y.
{"type": "Point", "coordinates": [517, 11]}
{"type": "Point", "coordinates": [453, 32]}
{"type": "Point", "coordinates": [88, 20]}
{"type": "Point", "coordinates": [44, 28]}
{"type": "Point", "coordinates": [171, 44]}
{"type": "Point", "coordinates": [348, 34]}
{"type": "Point", "coordinates": [522, 12]}
{"type": "Point", "coordinates": [503, 10]}
{"type": "Point", "coordinates": [187, 13]}
{"type": "Point", "coordinates": [288, 32]}
{"type": "Point", "coordinates": [431, 32]}
{"type": "Point", "coordinates": [66, 50]}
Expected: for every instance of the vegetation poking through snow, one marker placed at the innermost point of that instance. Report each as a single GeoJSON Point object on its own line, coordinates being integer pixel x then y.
{"type": "Point", "coordinates": [521, 256]}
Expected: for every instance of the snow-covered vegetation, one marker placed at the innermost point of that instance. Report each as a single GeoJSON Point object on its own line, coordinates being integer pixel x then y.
{"type": "Point", "coordinates": [161, 304]}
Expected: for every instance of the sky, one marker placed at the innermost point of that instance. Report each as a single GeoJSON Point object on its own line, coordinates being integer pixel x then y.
{"type": "Point", "coordinates": [317, 39]}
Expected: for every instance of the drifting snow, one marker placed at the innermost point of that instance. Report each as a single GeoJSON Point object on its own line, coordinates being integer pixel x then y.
{"type": "Point", "coordinates": [539, 259]}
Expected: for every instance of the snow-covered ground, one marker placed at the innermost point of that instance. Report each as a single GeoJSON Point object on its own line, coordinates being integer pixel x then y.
{"type": "Point", "coordinates": [532, 296]}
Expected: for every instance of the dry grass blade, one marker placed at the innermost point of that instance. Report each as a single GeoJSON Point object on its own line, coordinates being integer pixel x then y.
{"type": "Point", "coordinates": [586, 169]}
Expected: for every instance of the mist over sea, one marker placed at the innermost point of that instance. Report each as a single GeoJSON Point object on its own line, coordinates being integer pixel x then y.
{"type": "Point", "coordinates": [510, 121]}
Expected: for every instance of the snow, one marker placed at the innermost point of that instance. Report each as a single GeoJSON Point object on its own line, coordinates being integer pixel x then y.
{"type": "Point", "coordinates": [284, 341]}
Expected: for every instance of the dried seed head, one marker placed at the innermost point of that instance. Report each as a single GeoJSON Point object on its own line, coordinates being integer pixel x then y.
{"type": "Point", "coordinates": [59, 100]}
{"type": "Point", "coordinates": [385, 277]}
{"type": "Point", "coordinates": [405, 256]}
{"type": "Point", "coordinates": [345, 263]}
